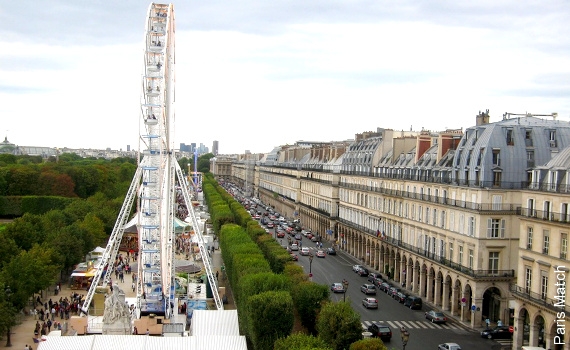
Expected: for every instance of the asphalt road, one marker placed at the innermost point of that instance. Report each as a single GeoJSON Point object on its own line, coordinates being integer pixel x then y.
{"type": "Point", "coordinates": [423, 333]}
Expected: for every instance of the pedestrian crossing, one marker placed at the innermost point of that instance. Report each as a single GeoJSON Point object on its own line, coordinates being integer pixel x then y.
{"type": "Point", "coordinates": [504, 341]}
{"type": "Point", "coordinates": [412, 325]}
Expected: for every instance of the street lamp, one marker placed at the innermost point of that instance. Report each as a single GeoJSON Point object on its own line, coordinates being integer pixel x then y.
{"type": "Point", "coordinates": [8, 293]}
{"type": "Point", "coordinates": [405, 337]}
{"type": "Point", "coordinates": [310, 265]}
{"type": "Point", "coordinates": [345, 286]}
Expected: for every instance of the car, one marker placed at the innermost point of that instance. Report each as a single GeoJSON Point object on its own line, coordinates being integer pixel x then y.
{"type": "Point", "coordinates": [337, 287]}
{"type": "Point", "coordinates": [502, 332]}
{"type": "Point", "coordinates": [436, 316]}
{"type": "Point", "coordinates": [355, 268]}
{"type": "Point", "coordinates": [309, 235]}
{"type": "Point", "coordinates": [381, 331]}
{"type": "Point", "coordinates": [315, 239]}
{"type": "Point", "coordinates": [363, 272]}
{"type": "Point", "coordinates": [294, 257]}
{"type": "Point", "coordinates": [449, 346]}
{"type": "Point", "coordinates": [280, 234]}
{"type": "Point", "coordinates": [305, 251]}
{"type": "Point", "coordinates": [372, 276]}
{"type": "Point", "coordinates": [370, 303]}
{"type": "Point", "coordinates": [400, 297]}
{"type": "Point", "coordinates": [368, 289]}
{"type": "Point", "coordinates": [270, 224]}
{"type": "Point", "coordinates": [320, 254]}
{"type": "Point", "coordinates": [413, 302]}
{"type": "Point", "coordinates": [384, 286]}
{"type": "Point", "coordinates": [392, 291]}
{"type": "Point", "coordinates": [282, 219]}
{"type": "Point", "coordinates": [294, 246]}
{"type": "Point", "coordinates": [378, 281]}
{"type": "Point", "coordinates": [298, 237]}
{"type": "Point", "coordinates": [331, 251]}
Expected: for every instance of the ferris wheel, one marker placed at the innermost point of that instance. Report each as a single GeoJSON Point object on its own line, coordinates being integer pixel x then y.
{"type": "Point", "coordinates": [156, 201]}
{"type": "Point", "coordinates": [154, 184]}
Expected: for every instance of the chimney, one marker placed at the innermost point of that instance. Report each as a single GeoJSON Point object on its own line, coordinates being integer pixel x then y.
{"type": "Point", "coordinates": [482, 118]}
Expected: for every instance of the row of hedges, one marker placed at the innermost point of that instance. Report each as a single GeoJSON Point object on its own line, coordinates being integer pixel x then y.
{"type": "Point", "coordinates": [272, 293]}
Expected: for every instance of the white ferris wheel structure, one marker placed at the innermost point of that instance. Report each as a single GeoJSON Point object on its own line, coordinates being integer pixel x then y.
{"type": "Point", "coordinates": [156, 182]}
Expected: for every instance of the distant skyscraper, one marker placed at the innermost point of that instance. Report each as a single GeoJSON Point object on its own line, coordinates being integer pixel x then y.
{"type": "Point", "coordinates": [215, 148]}
{"type": "Point", "coordinates": [128, 148]}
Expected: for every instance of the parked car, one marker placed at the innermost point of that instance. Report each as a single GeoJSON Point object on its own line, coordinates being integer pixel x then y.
{"type": "Point", "coordinates": [413, 302]}
{"type": "Point", "coordinates": [331, 251]}
{"type": "Point", "coordinates": [449, 346]}
{"type": "Point", "coordinates": [337, 288]}
{"type": "Point", "coordinates": [368, 289]}
{"type": "Point", "coordinates": [320, 254]}
{"type": "Point", "coordinates": [400, 297]}
{"type": "Point", "coordinates": [392, 291]}
{"type": "Point", "coordinates": [372, 276]}
{"type": "Point", "coordinates": [502, 332]}
{"type": "Point", "coordinates": [305, 251]}
{"type": "Point", "coordinates": [381, 331]}
{"type": "Point", "coordinates": [378, 281]}
{"type": "Point", "coordinates": [370, 303]}
{"type": "Point", "coordinates": [363, 272]}
{"type": "Point", "coordinates": [384, 286]}
{"type": "Point", "coordinates": [355, 268]}
{"type": "Point", "coordinates": [436, 317]}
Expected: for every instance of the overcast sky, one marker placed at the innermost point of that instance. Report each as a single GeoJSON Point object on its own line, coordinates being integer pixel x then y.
{"type": "Point", "coordinates": [258, 74]}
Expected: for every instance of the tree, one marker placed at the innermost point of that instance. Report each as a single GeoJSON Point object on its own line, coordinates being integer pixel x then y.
{"type": "Point", "coordinates": [339, 325]}
{"type": "Point", "coordinates": [270, 317]}
{"type": "Point", "coordinates": [308, 297]}
{"type": "Point", "coordinates": [299, 341]}
{"type": "Point", "coordinates": [368, 344]}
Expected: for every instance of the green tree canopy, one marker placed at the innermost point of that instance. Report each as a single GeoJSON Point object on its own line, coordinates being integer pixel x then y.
{"type": "Point", "coordinates": [299, 341]}
{"type": "Point", "coordinates": [339, 325]}
{"type": "Point", "coordinates": [368, 344]}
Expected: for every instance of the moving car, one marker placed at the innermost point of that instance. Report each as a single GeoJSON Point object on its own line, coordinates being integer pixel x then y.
{"type": "Point", "coordinates": [320, 254]}
{"type": "Point", "coordinates": [436, 317]}
{"type": "Point", "coordinates": [368, 289]}
{"type": "Point", "coordinates": [331, 251]}
{"type": "Point", "coordinates": [381, 331]}
{"type": "Point", "coordinates": [337, 287]}
{"type": "Point", "coordinates": [449, 346]}
{"type": "Point", "coordinates": [502, 332]}
{"type": "Point", "coordinates": [370, 303]}
{"type": "Point", "coordinates": [413, 302]}
{"type": "Point", "coordinates": [294, 257]}
{"type": "Point", "coordinates": [305, 251]}
{"type": "Point", "coordinates": [294, 246]}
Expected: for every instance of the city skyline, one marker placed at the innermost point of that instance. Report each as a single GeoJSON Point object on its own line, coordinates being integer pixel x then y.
{"type": "Point", "coordinates": [284, 72]}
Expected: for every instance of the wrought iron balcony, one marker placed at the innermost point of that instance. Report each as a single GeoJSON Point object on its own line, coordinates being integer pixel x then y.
{"type": "Point", "coordinates": [539, 299]}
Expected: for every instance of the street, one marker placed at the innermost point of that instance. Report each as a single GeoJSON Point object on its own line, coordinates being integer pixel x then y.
{"type": "Point", "coordinates": [423, 333]}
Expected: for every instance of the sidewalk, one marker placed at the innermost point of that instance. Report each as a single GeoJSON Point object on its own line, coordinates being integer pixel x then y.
{"type": "Point", "coordinates": [23, 333]}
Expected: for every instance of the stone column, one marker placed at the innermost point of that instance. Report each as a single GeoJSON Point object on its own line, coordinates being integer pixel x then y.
{"type": "Point", "coordinates": [397, 269]}
{"type": "Point", "coordinates": [454, 300]}
{"type": "Point", "coordinates": [422, 283]}
{"type": "Point", "coordinates": [476, 315]}
{"type": "Point", "coordinates": [386, 261]}
{"type": "Point", "coordinates": [445, 301]}
{"type": "Point", "coordinates": [533, 335]}
{"type": "Point", "coordinates": [414, 284]}
{"type": "Point", "coordinates": [430, 288]}
{"type": "Point", "coordinates": [409, 276]}
{"type": "Point", "coordinates": [519, 331]}
{"type": "Point", "coordinates": [437, 297]}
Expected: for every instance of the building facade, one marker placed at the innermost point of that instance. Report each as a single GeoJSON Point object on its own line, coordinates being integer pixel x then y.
{"type": "Point", "coordinates": [445, 214]}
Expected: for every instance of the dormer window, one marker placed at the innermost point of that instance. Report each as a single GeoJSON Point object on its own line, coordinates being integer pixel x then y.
{"type": "Point", "coordinates": [510, 138]}
{"type": "Point", "coordinates": [552, 138]}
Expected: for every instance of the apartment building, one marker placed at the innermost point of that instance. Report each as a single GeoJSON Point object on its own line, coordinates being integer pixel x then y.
{"type": "Point", "coordinates": [446, 214]}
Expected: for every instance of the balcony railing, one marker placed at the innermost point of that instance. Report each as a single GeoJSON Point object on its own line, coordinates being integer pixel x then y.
{"type": "Point", "coordinates": [434, 256]}
{"type": "Point", "coordinates": [503, 207]}
{"type": "Point", "coordinates": [545, 215]}
{"type": "Point", "coordinates": [538, 298]}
